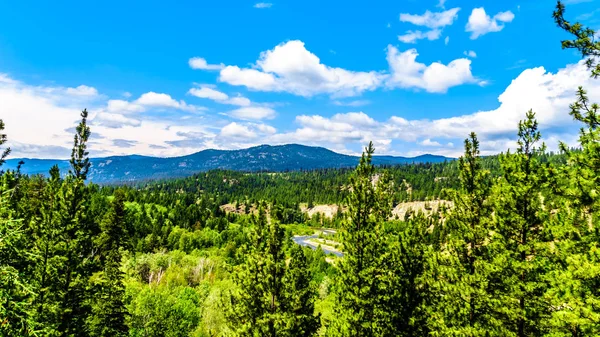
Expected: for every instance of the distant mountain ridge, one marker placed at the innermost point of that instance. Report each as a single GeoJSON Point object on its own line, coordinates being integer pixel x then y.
{"type": "Point", "coordinates": [291, 157]}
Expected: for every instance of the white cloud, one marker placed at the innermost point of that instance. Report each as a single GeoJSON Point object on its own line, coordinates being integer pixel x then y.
{"type": "Point", "coordinates": [50, 111]}
{"type": "Point", "coordinates": [548, 94]}
{"type": "Point", "coordinates": [429, 142]}
{"type": "Point", "coordinates": [470, 53]}
{"type": "Point", "coordinates": [237, 131]}
{"type": "Point", "coordinates": [356, 103]}
{"type": "Point", "coordinates": [220, 97]}
{"type": "Point", "coordinates": [436, 21]}
{"type": "Point", "coordinates": [36, 116]}
{"type": "Point", "coordinates": [252, 113]}
{"type": "Point", "coordinates": [441, 4]}
{"type": "Point", "coordinates": [263, 5]}
{"type": "Point", "coordinates": [251, 78]}
{"type": "Point", "coordinates": [432, 19]}
{"type": "Point", "coordinates": [355, 118]}
{"type": "Point", "coordinates": [264, 128]}
{"type": "Point", "coordinates": [413, 36]}
{"type": "Point", "coordinates": [82, 90]}
{"type": "Point", "coordinates": [206, 92]}
{"type": "Point", "coordinates": [123, 107]}
{"type": "Point", "coordinates": [119, 113]}
{"type": "Point", "coordinates": [447, 40]}
{"type": "Point", "coordinates": [200, 63]}
{"type": "Point", "coordinates": [480, 23]}
{"type": "Point", "coordinates": [289, 67]}
{"type": "Point", "coordinates": [115, 121]}
{"type": "Point", "coordinates": [406, 72]}
{"type": "Point", "coordinates": [153, 99]}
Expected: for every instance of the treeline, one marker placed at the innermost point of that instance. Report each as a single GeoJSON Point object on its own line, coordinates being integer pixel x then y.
{"type": "Point", "coordinates": [415, 182]}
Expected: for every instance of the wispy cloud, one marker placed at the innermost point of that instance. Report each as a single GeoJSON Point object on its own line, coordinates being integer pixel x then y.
{"type": "Point", "coordinates": [263, 5]}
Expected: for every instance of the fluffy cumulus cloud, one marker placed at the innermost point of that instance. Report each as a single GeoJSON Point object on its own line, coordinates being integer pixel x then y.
{"type": "Point", "coordinates": [145, 125]}
{"type": "Point", "coordinates": [435, 21]}
{"type": "Point", "coordinates": [548, 94]}
{"type": "Point", "coordinates": [200, 63]}
{"type": "Point", "coordinates": [406, 72]}
{"type": "Point", "coordinates": [237, 131]}
{"type": "Point", "coordinates": [480, 23]}
{"type": "Point", "coordinates": [429, 142]}
{"type": "Point", "coordinates": [36, 117]}
{"type": "Point", "coordinates": [118, 113]}
{"type": "Point", "coordinates": [82, 90]}
{"type": "Point", "coordinates": [290, 67]}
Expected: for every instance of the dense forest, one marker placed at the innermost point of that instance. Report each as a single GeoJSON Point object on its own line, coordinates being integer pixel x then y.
{"type": "Point", "coordinates": [517, 253]}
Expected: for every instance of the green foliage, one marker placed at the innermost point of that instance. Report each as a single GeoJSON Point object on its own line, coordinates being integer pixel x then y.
{"type": "Point", "coordinates": [522, 234]}
{"type": "Point", "coordinates": [272, 298]}
{"type": "Point", "coordinates": [108, 310]}
{"type": "Point", "coordinates": [357, 288]}
{"type": "Point", "coordinates": [15, 293]}
{"type": "Point", "coordinates": [462, 277]}
{"type": "Point", "coordinates": [584, 39]}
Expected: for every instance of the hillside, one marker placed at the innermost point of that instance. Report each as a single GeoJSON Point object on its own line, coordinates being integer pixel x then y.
{"type": "Point", "coordinates": [291, 157]}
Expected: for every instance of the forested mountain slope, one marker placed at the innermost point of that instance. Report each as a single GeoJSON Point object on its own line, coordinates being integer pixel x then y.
{"type": "Point", "coordinates": [291, 157]}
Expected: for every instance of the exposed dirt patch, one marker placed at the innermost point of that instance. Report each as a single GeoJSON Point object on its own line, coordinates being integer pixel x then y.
{"type": "Point", "coordinates": [327, 211]}
{"type": "Point", "coordinates": [426, 207]}
{"type": "Point", "coordinates": [230, 208]}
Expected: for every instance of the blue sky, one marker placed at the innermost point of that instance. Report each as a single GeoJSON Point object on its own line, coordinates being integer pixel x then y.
{"type": "Point", "coordinates": [172, 78]}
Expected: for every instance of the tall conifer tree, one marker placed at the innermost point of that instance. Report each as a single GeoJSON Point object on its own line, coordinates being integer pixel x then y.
{"type": "Point", "coordinates": [575, 291]}
{"type": "Point", "coordinates": [359, 310]}
{"type": "Point", "coordinates": [108, 310]}
{"type": "Point", "coordinates": [463, 286]}
{"type": "Point", "coordinates": [522, 229]}
{"type": "Point", "coordinates": [272, 299]}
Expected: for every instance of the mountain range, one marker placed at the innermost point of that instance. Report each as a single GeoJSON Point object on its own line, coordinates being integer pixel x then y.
{"type": "Point", "coordinates": [263, 158]}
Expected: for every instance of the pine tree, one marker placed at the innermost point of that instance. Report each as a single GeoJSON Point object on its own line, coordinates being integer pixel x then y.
{"type": "Point", "coordinates": [261, 306]}
{"type": "Point", "coordinates": [15, 291]}
{"type": "Point", "coordinates": [76, 238]}
{"type": "Point", "coordinates": [467, 307]}
{"type": "Point", "coordinates": [47, 247]}
{"type": "Point", "coordinates": [108, 310]}
{"type": "Point", "coordinates": [522, 229]}
{"type": "Point", "coordinates": [300, 318]}
{"type": "Point", "coordinates": [357, 290]}
{"type": "Point", "coordinates": [575, 291]}
{"type": "Point", "coordinates": [404, 288]}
